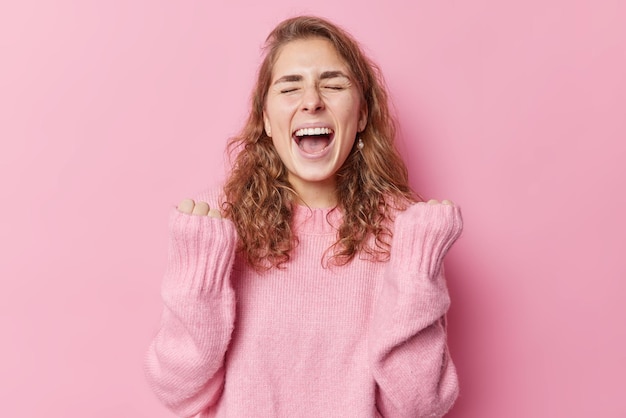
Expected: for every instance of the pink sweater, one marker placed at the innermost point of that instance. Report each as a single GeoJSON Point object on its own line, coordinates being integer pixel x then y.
{"type": "Point", "coordinates": [367, 339]}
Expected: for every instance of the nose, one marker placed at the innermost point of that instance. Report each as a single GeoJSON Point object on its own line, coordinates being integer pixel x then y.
{"type": "Point", "coordinates": [312, 100]}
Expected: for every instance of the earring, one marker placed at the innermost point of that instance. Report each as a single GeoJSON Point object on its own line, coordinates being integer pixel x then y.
{"type": "Point", "coordinates": [360, 144]}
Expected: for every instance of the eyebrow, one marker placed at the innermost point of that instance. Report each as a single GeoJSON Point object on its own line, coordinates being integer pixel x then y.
{"type": "Point", "coordinates": [332, 74]}
{"type": "Point", "coordinates": [324, 76]}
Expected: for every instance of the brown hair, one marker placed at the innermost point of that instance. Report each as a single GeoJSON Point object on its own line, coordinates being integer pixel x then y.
{"type": "Point", "coordinates": [370, 185]}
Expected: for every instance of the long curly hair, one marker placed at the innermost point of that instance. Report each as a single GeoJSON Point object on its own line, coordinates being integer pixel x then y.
{"type": "Point", "coordinates": [371, 185]}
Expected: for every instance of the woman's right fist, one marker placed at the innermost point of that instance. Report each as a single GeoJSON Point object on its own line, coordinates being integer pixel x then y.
{"type": "Point", "coordinates": [190, 207]}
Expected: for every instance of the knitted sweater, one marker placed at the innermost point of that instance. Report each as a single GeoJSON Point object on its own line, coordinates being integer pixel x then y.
{"type": "Point", "coordinates": [367, 339]}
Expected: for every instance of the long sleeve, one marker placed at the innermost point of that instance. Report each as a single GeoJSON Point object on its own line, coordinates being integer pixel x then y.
{"type": "Point", "coordinates": [407, 343]}
{"type": "Point", "coordinates": [185, 361]}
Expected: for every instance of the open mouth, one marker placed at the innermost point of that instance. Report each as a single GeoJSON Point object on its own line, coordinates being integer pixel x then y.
{"type": "Point", "coordinates": [313, 140]}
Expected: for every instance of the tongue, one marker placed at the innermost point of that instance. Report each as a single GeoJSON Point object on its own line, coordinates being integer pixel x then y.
{"type": "Point", "coordinates": [313, 144]}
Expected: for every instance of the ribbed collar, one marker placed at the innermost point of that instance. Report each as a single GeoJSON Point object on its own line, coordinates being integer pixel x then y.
{"type": "Point", "coordinates": [316, 221]}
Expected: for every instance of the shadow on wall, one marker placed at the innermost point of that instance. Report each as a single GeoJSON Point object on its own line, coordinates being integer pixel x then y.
{"type": "Point", "coordinates": [482, 307]}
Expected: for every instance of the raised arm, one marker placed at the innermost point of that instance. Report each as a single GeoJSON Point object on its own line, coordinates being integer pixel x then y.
{"type": "Point", "coordinates": [184, 364]}
{"type": "Point", "coordinates": [408, 351]}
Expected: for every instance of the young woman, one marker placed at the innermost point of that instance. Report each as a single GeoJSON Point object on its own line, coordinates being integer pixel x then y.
{"type": "Point", "coordinates": [311, 283]}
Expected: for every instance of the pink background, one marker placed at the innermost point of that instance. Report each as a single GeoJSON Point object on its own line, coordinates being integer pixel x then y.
{"type": "Point", "coordinates": [112, 111]}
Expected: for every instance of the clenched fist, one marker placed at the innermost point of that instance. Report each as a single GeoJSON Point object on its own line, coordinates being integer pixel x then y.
{"type": "Point", "coordinates": [436, 202]}
{"type": "Point", "coordinates": [190, 207]}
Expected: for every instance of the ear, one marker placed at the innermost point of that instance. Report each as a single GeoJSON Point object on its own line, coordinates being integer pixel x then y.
{"type": "Point", "coordinates": [363, 113]}
{"type": "Point", "coordinates": [266, 123]}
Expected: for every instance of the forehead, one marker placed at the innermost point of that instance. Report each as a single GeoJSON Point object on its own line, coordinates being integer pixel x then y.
{"type": "Point", "coordinates": [312, 54]}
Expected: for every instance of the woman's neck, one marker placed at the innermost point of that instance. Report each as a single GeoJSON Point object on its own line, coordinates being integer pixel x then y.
{"type": "Point", "coordinates": [316, 194]}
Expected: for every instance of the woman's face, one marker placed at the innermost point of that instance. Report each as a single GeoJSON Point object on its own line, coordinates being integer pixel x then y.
{"type": "Point", "coordinates": [313, 112]}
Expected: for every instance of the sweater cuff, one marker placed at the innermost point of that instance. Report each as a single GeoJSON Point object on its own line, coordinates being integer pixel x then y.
{"type": "Point", "coordinates": [423, 234]}
{"type": "Point", "coordinates": [201, 255]}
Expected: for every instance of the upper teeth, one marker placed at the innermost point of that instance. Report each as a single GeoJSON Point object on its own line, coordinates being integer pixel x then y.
{"type": "Point", "coordinates": [313, 131]}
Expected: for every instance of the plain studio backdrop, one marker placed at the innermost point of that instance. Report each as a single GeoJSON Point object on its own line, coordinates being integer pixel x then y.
{"type": "Point", "coordinates": [113, 111]}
